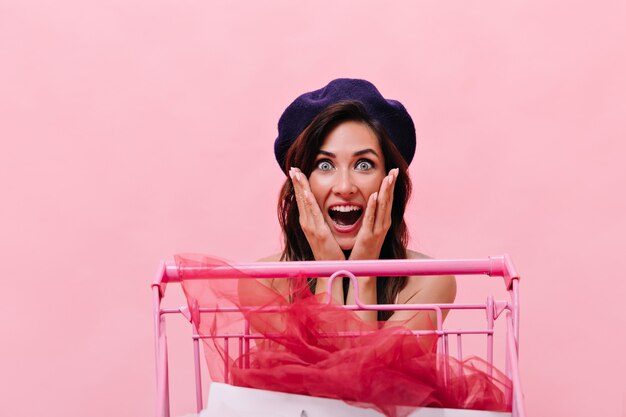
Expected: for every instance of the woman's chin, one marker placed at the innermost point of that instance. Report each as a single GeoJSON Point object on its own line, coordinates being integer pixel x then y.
{"type": "Point", "coordinates": [346, 237]}
{"type": "Point", "coordinates": [345, 243]}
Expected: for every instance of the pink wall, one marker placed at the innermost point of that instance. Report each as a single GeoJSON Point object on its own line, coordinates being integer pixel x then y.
{"type": "Point", "coordinates": [132, 130]}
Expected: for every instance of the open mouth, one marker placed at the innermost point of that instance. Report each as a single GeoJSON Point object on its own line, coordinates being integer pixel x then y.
{"type": "Point", "coordinates": [345, 216]}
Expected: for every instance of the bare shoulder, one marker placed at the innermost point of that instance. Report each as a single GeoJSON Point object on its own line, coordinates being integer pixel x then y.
{"type": "Point", "coordinates": [271, 282]}
{"type": "Point", "coordinates": [271, 258]}
{"type": "Point", "coordinates": [411, 254]}
{"type": "Point", "coordinates": [251, 295]}
{"type": "Point", "coordinates": [429, 288]}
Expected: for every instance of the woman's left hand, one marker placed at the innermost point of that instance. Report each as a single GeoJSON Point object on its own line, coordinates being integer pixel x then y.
{"type": "Point", "coordinates": [376, 220]}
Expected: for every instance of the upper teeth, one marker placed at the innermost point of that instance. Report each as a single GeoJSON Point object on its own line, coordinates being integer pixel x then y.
{"type": "Point", "coordinates": [345, 208]}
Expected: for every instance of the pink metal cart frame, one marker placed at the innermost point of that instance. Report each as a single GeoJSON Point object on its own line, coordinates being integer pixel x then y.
{"type": "Point", "coordinates": [494, 266]}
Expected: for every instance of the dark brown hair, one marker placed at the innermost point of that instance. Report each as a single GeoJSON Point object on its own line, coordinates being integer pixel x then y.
{"type": "Point", "coordinates": [303, 153]}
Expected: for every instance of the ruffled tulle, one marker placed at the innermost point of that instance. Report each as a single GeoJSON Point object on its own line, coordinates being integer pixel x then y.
{"type": "Point", "coordinates": [305, 346]}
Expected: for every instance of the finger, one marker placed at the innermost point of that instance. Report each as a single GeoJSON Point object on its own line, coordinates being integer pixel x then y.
{"type": "Point", "coordinates": [385, 201]}
{"type": "Point", "coordinates": [390, 191]}
{"type": "Point", "coordinates": [298, 191]}
{"type": "Point", "coordinates": [314, 210]}
{"type": "Point", "coordinates": [392, 188]}
{"type": "Point", "coordinates": [369, 217]}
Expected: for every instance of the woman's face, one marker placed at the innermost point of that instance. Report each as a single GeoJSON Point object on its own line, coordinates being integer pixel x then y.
{"type": "Point", "coordinates": [349, 167]}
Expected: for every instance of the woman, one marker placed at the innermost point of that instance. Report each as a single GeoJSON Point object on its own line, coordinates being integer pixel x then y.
{"type": "Point", "coordinates": [346, 150]}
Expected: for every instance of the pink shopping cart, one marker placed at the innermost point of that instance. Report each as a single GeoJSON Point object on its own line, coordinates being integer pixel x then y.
{"type": "Point", "coordinates": [245, 401]}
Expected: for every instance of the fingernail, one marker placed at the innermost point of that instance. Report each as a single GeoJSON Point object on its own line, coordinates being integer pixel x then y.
{"type": "Point", "coordinates": [375, 195]}
{"type": "Point", "coordinates": [306, 194]}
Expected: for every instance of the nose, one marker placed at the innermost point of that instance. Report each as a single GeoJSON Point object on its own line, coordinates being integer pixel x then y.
{"type": "Point", "coordinates": [344, 183]}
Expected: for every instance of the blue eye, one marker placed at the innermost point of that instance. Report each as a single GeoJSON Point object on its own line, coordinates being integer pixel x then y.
{"type": "Point", "coordinates": [364, 165]}
{"type": "Point", "coordinates": [324, 165]}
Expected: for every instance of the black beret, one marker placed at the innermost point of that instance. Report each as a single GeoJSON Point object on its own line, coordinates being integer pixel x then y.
{"type": "Point", "coordinates": [391, 114]}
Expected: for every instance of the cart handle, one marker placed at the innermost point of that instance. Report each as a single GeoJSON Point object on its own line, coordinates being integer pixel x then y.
{"type": "Point", "coordinates": [495, 266]}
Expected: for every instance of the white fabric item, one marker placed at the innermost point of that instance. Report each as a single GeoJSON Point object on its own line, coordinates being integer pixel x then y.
{"type": "Point", "coordinates": [230, 401]}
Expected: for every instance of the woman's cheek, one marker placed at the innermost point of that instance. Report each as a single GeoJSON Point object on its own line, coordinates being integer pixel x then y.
{"type": "Point", "coordinates": [370, 185]}
{"type": "Point", "coordinates": [320, 187]}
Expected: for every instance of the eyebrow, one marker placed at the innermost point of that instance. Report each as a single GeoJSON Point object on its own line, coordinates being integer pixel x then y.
{"type": "Point", "coordinates": [357, 153]}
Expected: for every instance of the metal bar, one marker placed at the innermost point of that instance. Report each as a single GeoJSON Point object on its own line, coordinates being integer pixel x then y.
{"type": "Point", "coordinates": [516, 311]}
{"type": "Point", "coordinates": [240, 345]}
{"type": "Point", "coordinates": [349, 334]}
{"type": "Point", "coordinates": [226, 368]}
{"type": "Point", "coordinates": [198, 374]}
{"type": "Point", "coordinates": [163, 393]}
{"type": "Point", "coordinates": [446, 355]}
{"type": "Point", "coordinates": [518, 396]}
{"type": "Point", "coordinates": [353, 307]}
{"type": "Point", "coordinates": [160, 347]}
{"type": "Point", "coordinates": [490, 313]}
{"type": "Point", "coordinates": [493, 266]}
{"type": "Point", "coordinates": [246, 344]}
{"type": "Point", "coordinates": [156, 302]}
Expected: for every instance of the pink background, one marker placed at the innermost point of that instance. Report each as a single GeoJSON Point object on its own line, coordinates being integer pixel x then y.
{"type": "Point", "coordinates": [133, 130]}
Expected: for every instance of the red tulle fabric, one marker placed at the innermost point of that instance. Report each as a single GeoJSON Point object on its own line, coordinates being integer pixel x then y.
{"type": "Point", "coordinates": [313, 348]}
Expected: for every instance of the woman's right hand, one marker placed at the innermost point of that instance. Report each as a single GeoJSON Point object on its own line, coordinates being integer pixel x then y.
{"type": "Point", "coordinates": [318, 234]}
